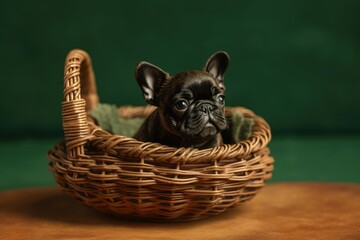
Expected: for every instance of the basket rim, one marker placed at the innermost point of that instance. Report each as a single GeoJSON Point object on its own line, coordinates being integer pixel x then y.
{"type": "Point", "coordinates": [117, 145]}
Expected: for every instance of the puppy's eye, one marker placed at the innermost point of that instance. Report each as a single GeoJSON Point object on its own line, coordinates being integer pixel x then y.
{"type": "Point", "coordinates": [221, 98]}
{"type": "Point", "coordinates": [181, 104]}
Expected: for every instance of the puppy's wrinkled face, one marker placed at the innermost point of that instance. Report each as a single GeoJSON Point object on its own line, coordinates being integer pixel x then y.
{"type": "Point", "coordinates": [190, 104]}
{"type": "Point", "coordinates": [193, 106]}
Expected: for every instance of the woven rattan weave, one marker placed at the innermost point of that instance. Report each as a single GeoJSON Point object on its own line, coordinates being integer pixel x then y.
{"type": "Point", "coordinates": [126, 177]}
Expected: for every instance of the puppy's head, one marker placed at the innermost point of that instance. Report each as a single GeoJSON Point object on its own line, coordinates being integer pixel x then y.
{"type": "Point", "coordinates": [191, 104]}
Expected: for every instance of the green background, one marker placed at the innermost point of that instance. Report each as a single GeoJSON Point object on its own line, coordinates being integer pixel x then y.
{"type": "Point", "coordinates": [296, 63]}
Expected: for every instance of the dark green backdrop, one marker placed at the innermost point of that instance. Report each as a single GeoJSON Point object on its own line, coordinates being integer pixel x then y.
{"type": "Point", "coordinates": [296, 63]}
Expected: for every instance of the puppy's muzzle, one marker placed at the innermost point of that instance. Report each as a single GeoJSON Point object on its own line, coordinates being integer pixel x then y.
{"type": "Point", "coordinates": [205, 119]}
{"type": "Point", "coordinates": [212, 114]}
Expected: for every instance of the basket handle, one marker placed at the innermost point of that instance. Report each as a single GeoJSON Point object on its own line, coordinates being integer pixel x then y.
{"type": "Point", "coordinates": [80, 97]}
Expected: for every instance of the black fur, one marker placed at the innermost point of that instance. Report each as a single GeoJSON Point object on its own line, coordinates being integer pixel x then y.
{"type": "Point", "coordinates": [190, 105]}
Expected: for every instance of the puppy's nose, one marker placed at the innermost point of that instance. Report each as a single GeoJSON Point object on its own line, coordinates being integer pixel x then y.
{"type": "Point", "coordinates": [206, 108]}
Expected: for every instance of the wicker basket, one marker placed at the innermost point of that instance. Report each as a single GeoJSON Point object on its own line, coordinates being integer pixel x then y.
{"type": "Point", "coordinates": [121, 175]}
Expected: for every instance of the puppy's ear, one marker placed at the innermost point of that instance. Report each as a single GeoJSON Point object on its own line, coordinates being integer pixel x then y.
{"type": "Point", "coordinates": [216, 65]}
{"type": "Point", "coordinates": [150, 79]}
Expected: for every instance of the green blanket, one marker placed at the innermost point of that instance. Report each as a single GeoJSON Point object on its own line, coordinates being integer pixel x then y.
{"type": "Point", "coordinates": [107, 117]}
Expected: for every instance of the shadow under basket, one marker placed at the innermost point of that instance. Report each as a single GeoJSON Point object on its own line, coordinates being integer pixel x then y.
{"type": "Point", "coordinates": [126, 177]}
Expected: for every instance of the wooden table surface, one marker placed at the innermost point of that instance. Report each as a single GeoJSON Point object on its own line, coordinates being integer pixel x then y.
{"type": "Point", "coordinates": [279, 211]}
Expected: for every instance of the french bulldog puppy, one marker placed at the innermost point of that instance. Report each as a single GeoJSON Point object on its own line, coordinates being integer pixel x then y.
{"type": "Point", "coordinates": [190, 105]}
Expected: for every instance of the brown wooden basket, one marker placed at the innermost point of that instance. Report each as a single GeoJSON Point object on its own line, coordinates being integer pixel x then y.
{"type": "Point", "coordinates": [127, 177]}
